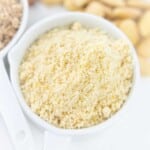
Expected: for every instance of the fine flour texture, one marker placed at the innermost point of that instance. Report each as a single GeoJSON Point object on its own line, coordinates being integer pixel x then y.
{"type": "Point", "coordinates": [76, 77]}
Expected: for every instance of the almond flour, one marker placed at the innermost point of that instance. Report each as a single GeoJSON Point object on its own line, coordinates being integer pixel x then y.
{"type": "Point", "coordinates": [77, 81]}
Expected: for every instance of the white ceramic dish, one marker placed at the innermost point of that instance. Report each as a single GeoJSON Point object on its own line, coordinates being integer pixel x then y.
{"type": "Point", "coordinates": [16, 55]}
{"type": "Point", "coordinates": [15, 121]}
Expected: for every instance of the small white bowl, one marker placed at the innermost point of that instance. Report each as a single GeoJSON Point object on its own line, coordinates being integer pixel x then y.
{"type": "Point", "coordinates": [16, 55]}
{"type": "Point", "coordinates": [21, 29]}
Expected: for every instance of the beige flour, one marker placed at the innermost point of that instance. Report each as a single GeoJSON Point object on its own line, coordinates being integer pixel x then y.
{"type": "Point", "coordinates": [75, 77]}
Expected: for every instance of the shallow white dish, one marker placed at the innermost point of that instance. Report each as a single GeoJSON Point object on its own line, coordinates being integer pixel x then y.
{"type": "Point", "coordinates": [16, 55]}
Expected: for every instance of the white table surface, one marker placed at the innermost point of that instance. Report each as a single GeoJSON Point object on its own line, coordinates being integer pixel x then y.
{"type": "Point", "coordinates": [133, 132]}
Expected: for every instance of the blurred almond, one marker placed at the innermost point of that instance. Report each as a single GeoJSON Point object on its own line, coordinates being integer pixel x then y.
{"type": "Point", "coordinates": [117, 22]}
{"type": "Point", "coordinates": [95, 8]}
{"type": "Point", "coordinates": [144, 24]}
{"type": "Point", "coordinates": [114, 3]}
{"type": "Point", "coordinates": [81, 3]}
{"type": "Point", "coordinates": [144, 66]}
{"type": "Point", "coordinates": [126, 12]}
{"type": "Point", "coordinates": [139, 4]}
{"type": "Point", "coordinates": [70, 5]}
{"type": "Point", "coordinates": [144, 48]}
{"type": "Point", "coordinates": [129, 27]}
{"type": "Point", "coordinates": [108, 10]}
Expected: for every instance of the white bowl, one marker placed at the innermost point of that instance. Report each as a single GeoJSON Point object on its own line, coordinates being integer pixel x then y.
{"type": "Point", "coordinates": [21, 29]}
{"type": "Point", "coordinates": [16, 55]}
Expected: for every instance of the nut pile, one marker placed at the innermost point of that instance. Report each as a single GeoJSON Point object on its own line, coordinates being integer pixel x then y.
{"type": "Point", "coordinates": [10, 14]}
{"type": "Point", "coordinates": [131, 16]}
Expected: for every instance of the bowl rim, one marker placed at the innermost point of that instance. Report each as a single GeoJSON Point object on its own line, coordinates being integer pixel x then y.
{"type": "Point", "coordinates": [49, 127]}
{"type": "Point", "coordinates": [21, 29]}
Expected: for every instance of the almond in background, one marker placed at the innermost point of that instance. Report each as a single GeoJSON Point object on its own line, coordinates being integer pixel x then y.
{"type": "Point", "coordinates": [70, 5]}
{"type": "Point", "coordinates": [143, 48]}
{"type": "Point", "coordinates": [129, 27]}
{"type": "Point", "coordinates": [144, 66]}
{"type": "Point", "coordinates": [139, 4]}
{"type": "Point", "coordinates": [117, 22]}
{"type": "Point", "coordinates": [144, 24]}
{"type": "Point", "coordinates": [126, 12]}
{"type": "Point", "coordinates": [81, 3]}
{"type": "Point", "coordinates": [96, 8]}
{"type": "Point", "coordinates": [113, 3]}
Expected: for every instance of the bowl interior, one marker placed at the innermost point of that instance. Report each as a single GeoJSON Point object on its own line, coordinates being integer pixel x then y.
{"type": "Point", "coordinates": [16, 55]}
{"type": "Point", "coordinates": [21, 29]}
